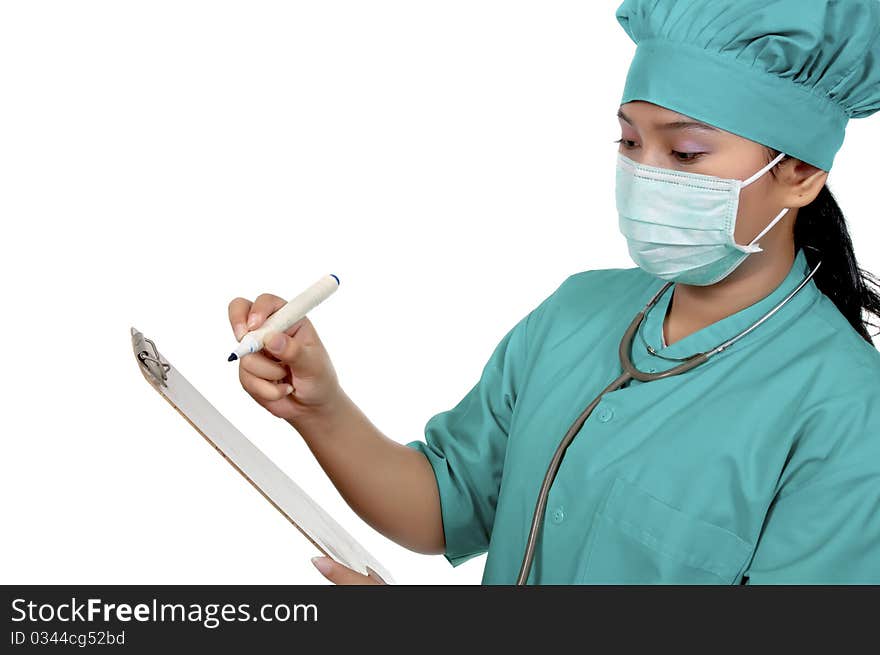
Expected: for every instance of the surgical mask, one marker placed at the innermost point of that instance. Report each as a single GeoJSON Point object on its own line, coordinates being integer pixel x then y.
{"type": "Point", "coordinates": [680, 225]}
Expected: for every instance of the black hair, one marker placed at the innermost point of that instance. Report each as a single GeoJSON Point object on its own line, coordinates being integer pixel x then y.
{"type": "Point", "coordinates": [820, 229]}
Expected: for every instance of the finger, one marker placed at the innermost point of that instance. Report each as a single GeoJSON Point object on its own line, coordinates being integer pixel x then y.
{"type": "Point", "coordinates": [238, 313]}
{"type": "Point", "coordinates": [376, 576]}
{"type": "Point", "coordinates": [265, 305]}
{"type": "Point", "coordinates": [339, 574]}
{"type": "Point", "coordinates": [263, 389]}
{"type": "Point", "coordinates": [263, 367]}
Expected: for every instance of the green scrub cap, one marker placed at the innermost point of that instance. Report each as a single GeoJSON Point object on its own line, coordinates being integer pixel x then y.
{"type": "Point", "coordinates": [788, 74]}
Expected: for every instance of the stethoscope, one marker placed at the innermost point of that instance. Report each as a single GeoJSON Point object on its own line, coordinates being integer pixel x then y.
{"type": "Point", "coordinates": [629, 372]}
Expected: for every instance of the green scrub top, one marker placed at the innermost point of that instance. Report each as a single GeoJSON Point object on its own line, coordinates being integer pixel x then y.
{"type": "Point", "coordinates": [761, 465]}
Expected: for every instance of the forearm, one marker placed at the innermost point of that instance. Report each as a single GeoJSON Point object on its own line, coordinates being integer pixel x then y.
{"type": "Point", "coordinates": [389, 485]}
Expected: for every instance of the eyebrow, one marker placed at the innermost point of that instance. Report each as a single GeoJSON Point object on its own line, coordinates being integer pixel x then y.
{"type": "Point", "coordinates": [675, 125]}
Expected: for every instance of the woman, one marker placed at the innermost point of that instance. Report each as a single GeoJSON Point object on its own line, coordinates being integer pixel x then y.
{"type": "Point", "coordinates": [760, 465]}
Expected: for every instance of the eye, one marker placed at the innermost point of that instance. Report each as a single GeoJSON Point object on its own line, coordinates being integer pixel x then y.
{"type": "Point", "coordinates": [627, 143]}
{"type": "Point", "coordinates": [687, 157]}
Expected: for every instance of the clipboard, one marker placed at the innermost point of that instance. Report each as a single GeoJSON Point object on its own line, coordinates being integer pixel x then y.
{"type": "Point", "coordinates": [274, 484]}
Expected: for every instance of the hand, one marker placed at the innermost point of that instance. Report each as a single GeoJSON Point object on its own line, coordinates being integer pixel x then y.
{"type": "Point", "coordinates": [340, 574]}
{"type": "Point", "coordinates": [292, 375]}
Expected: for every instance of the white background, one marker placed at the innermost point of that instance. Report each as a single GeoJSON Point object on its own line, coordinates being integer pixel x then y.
{"type": "Point", "coordinates": [451, 162]}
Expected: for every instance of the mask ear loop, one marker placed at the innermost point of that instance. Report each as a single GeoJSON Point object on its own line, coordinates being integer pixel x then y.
{"type": "Point", "coordinates": [767, 229]}
{"type": "Point", "coordinates": [762, 171]}
{"type": "Point", "coordinates": [779, 215]}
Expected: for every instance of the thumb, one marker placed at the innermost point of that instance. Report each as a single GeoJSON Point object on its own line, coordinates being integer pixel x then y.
{"type": "Point", "coordinates": [286, 348]}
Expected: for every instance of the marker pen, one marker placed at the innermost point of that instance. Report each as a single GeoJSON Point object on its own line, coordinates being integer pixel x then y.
{"type": "Point", "coordinates": [286, 316]}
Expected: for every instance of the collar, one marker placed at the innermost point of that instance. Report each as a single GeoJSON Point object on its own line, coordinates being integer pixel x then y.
{"type": "Point", "coordinates": [716, 333]}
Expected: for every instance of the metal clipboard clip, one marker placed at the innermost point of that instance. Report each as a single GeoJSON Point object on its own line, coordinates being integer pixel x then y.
{"type": "Point", "coordinates": [149, 360]}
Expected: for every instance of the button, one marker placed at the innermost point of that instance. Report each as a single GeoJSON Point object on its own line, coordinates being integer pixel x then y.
{"type": "Point", "coordinates": [558, 515]}
{"type": "Point", "coordinates": [605, 414]}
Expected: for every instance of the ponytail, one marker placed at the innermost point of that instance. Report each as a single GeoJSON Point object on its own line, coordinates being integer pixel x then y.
{"type": "Point", "coordinates": [820, 229]}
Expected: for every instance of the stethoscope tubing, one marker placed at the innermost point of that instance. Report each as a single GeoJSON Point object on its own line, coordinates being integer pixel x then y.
{"type": "Point", "coordinates": [629, 372]}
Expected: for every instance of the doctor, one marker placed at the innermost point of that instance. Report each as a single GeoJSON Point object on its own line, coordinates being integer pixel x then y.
{"type": "Point", "coordinates": [762, 464]}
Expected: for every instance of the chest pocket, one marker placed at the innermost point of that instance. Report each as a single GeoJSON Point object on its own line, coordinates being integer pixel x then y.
{"type": "Point", "coordinates": [638, 539]}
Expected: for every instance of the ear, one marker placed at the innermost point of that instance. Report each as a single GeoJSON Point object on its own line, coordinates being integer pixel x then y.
{"type": "Point", "coordinates": [799, 182]}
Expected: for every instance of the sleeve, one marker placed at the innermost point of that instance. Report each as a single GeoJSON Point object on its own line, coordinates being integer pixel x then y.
{"type": "Point", "coordinates": [824, 524]}
{"type": "Point", "coordinates": [466, 446]}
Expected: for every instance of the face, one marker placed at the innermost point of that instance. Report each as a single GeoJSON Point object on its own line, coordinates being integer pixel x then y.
{"type": "Point", "coordinates": [656, 136]}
